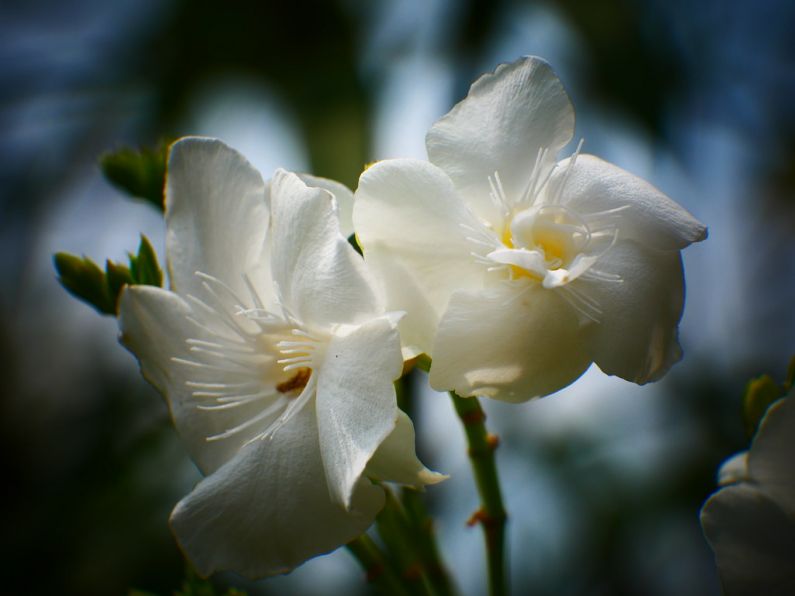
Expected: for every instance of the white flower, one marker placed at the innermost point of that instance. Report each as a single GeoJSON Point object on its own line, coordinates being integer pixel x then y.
{"type": "Point", "coordinates": [277, 361]}
{"type": "Point", "coordinates": [750, 523]}
{"type": "Point", "coordinates": [518, 271]}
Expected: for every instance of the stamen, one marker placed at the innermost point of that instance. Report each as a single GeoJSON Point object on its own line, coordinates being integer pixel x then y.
{"type": "Point", "coordinates": [224, 313]}
{"type": "Point", "coordinates": [220, 315]}
{"type": "Point", "coordinates": [292, 407]}
{"type": "Point", "coordinates": [299, 364]}
{"type": "Point", "coordinates": [269, 411]}
{"type": "Point", "coordinates": [567, 174]}
{"type": "Point", "coordinates": [200, 385]}
{"type": "Point", "coordinates": [212, 394]}
{"type": "Point", "coordinates": [606, 213]}
{"type": "Point", "coordinates": [584, 299]}
{"type": "Point", "coordinates": [230, 292]}
{"type": "Point", "coordinates": [293, 359]}
{"type": "Point", "coordinates": [231, 366]}
{"type": "Point", "coordinates": [235, 339]}
{"type": "Point", "coordinates": [597, 275]}
{"type": "Point", "coordinates": [238, 349]}
{"type": "Point", "coordinates": [584, 306]}
{"type": "Point", "coordinates": [226, 403]}
{"type": "Point", "coordinates": [253, 292]}
{"type": "Point", "coordinates": [533, 187]}
{"type": "Point", "coordinates": [497, 195]}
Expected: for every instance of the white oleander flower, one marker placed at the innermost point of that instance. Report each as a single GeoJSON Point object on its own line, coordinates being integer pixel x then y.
{"type": "Point", "coordinates": [518, 271]}
{"type": "Point", "coordinates": [750, 523]}
{"type": "Point", "coordinates": [277, 360]}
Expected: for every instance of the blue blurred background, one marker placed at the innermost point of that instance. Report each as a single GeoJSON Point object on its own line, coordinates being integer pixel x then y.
{"type": "Point", "coordinates": [604, 480]}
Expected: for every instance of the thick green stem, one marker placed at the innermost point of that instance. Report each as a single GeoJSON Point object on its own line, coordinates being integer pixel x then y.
{"type": "Point", "coordinates": [425, 537]}
{"type": "Point", "coordinates": [376, 567]}
{"type": "Point", "coordinates": [399, 538]}
{"type": "Point", "coordinates": [491, 514]}
{"type": "Point", "coordinates": [408, 519]}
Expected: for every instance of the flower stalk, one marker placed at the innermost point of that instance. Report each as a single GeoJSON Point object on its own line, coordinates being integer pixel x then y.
{"type": "Point", "coordinates": [491, 514]}
{"type": "Point", "coordinates": [410, 517]}
{"type": "Point", "coordinates": [375, 566]}
{"type": "Point", "coordinates": [422, 526]}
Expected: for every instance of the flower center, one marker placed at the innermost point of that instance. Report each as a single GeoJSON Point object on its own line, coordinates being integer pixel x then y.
{"type": "Point", "coordinates": [542, 243]}
{"type": "Point", "coordinates": [293, 386]}
{"type": "Point", "coordinates": [254, 368]}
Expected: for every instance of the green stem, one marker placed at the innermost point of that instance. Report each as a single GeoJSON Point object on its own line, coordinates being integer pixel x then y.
{"type": "Point", "coordinates": [406, 526]}
{"type": "Point", "coordinates": [399, 538]}
{"type": "Point", "coordinates": [491, 514]}
{"type": "Point", "coordinates": [423, 527]}
{"type": "Point", "coordinates": [375, 566]}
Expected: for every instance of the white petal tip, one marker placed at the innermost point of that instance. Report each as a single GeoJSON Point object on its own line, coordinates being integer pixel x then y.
{"type": "Point", "coordinates": [428, 477]}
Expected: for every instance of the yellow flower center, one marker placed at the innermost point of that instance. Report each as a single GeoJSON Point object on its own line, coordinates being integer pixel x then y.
{"type": "Point", "coordinates": [543, 239]}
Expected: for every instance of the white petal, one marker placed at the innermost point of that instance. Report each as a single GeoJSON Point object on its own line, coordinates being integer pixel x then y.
{"type": "Point", "coordinates": [217, 218]}
{"type": "Point", "coordinates": [268, 510]}
{"type": "Point", "coordinates": [409, 213]}
{"type": "Point", "coordinates": [155, 327]}
{"type": "Point", "coordinates": [636, 338]}
{"type": "Point", "coordinates": [396, 461]}
{"type": "Point", "coordinates": [343, 196]}
{"type": "Point", "coordinates": [356, 403]}
{"type": "Point", "coordinates": [500, 126]}
{"type": "Point", "coordinates": [321, 278]}
{"type": "Point", "coordinates": [593, 186]}
{"type": "Point", "coordinates": [509, 342]}
{"type": "Point", "coordinates": [734, 469]}
{"type": "Point", "coordinates": [773, 452]}
{"type": "Point", "coordinates": [753, 540]}
{"type": "Point", "coordinates": [404, 293]}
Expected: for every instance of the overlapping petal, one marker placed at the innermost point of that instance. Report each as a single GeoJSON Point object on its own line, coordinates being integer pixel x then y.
{"type": "Point", "coordinates": [268, 509]}
{"type": "Point", "coordinates": [216, 218]}
{"type": "Point", "coordinates": [343, 196]}
{"type": "Point", "coordinates": [277, 362]}
{"type": "Point", "coordinates": [751, 525]}
{"type": "Point", "coordinates": [156, 326]}
{"type": "Point", "coordinates": [356, 403]}
{"type": "Point", "coordinates": [770, 460]}
{"type": "Point", "coordinates": [560, 264]}
{"type": "Point", "coordinates": [507, 117]}
{"type": "Point", "coordinates": [508, 342]}
{"type": "Point", "coordinates": [405, 293]}
{"type": "Point", "coordinates": [321, 279]}
{"type": "Point", "coordinates": [395, 460]}
{"type": "Point", "coordinates": [753, 539]}
{"type": "Point", "coordinates": [614, 197]}
{"type": "Point", "coordinates": [636, 336]}
{"type": "Point", "coordinates": [409, 212]}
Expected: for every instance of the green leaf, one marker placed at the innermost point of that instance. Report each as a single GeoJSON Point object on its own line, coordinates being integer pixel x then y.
{"type": "Point", "coordinates": [116, 276]}
{"type": "Point", "coordinates": [140, 173]}
{"type": "Point", "coordinates": [144, 268]}
{"type": "Point", "coordinates": [85, 280]}
{"type": "Point", "coordinates": [759, 394]}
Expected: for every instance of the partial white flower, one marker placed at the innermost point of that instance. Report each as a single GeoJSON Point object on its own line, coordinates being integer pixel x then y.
{"type": "Point", "coordinates": [277, 361]}
{"type": "Point", "coordinates": [516, 270]}
{"type": "Point", "coordinates": [750, 523]}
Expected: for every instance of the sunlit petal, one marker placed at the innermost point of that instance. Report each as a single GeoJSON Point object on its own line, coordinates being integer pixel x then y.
{"type": "Point", "coordinates": [508, 342]}
{"type": "Point", "coordinates": [268, 510]}
{"type": "Point", "coordinates": [506, 120]}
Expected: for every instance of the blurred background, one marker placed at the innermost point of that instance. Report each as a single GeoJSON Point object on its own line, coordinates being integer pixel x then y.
{"type": "Point", "coordinates": [604, 480]}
